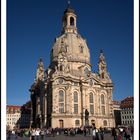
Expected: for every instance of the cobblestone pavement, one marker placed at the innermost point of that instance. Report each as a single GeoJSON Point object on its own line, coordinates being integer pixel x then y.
{"type": "Point", "coordinates": [63, 137]}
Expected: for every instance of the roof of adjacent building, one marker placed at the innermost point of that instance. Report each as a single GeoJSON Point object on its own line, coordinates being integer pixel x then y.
{"type": "Point", "coordinates": [13, 107]}
{"type": "Point", "coordinates": [127, 102]}
{"type": "Point", "coordinates": [116, 102]}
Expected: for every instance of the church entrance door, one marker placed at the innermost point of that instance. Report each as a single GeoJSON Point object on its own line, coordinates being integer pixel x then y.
{"type": "Point", "coordinates": [61, 123]}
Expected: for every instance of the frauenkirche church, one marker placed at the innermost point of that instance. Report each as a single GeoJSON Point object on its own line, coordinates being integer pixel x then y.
{"type": "Point", "coordinates": [68, 94]}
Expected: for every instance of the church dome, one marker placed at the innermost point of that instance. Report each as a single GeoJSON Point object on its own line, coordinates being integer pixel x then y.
{"type": "Point", "coordinates": [70, 43]}
{"type": "Point", "coordinates": [73, 46]}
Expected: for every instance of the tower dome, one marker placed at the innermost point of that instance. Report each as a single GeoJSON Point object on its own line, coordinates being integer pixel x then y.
{"type": "Point", "coordinates": [70, 43]}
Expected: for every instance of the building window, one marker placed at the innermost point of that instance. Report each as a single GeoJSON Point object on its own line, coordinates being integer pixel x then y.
{"type": "Point", "coordinates": [103, 110]}
{"type": "Point", "coordinates": [102, 99]}
{"type": "Point", "coordinates": [91, 101]}
{"type": "Point", "coordinates": [61, 96]}
{"type": "Point", "coordinates": [71, 21]}
{"type": "Point", "coordinates": [91, 98]}
{"type": "Point", "coordinates": [61, 101]}
{"type": "Point", "coordinates": [61, 123]}
{"type": "Point", "coordinates": [75, 108]}
{"type": "Point", "coordinates": [91, 108]}
{"type": "Point", "coordinates": [61, 107]}
{"type": "Point", "coordinates": [103, 104]}
{"type": "Point", "coordinates": [105, 123]}
{"type": "Point", "coordinates": [75, 94]}
{"type": "Point", "coordinates": [77, 122]}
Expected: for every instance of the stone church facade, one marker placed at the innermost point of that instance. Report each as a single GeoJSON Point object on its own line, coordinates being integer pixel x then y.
{"type": "Point", "coordinates": [62, 94]}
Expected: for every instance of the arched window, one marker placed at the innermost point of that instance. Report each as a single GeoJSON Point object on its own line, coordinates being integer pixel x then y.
{"type": "Point", "coordinates": [75, 96]}
{"type": "Point", "coordinates": [105, 123]}
{"type": "Point", "coordinates": [102, 99]}
{"type": "Point", "coordinates": [103, 104]}
{"type": "Point", "coordinates": [91, 102]}
{"type": "Point", "coordinates": [91, 98]}
{"type": "Point", "coordinates": [71, 21]}
{"type": "Point", "coordinates": [61, 96]}
{"type": "Point", "coordinates": [61, 101]}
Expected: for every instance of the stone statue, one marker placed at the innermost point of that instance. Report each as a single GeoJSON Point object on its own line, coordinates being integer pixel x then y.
{"type": "Point", "coordinates": [86, 114]}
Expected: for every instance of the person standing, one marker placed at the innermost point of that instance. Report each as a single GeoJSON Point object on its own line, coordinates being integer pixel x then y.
{"type": "Point", "coordinates": [42, 133]}
{"type": "Point", "coordinates": [114, 134]}
{"type": "Point", "coordinates": [33, 134]}
{"type": "Point", "coordinates": [37, 133]}
{"type": "Point", "coordinates": [93, 131]}
{"type": "Point", "coordinates": [102, 133]}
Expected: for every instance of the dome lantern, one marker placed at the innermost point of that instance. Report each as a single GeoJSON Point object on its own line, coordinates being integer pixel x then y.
{"type": "Point", "coordinates": [69, 21]}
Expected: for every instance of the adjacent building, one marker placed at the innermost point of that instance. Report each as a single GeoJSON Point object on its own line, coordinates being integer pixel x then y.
{"type": "Point", "coordinates": [117, 112]}
{"type": "Point", "coordinates": [12, 116]}
{"type": "Point", "coordinates": [68, 93]}
{"type": "Point", "coordinates": [127, 111]}
{"type": "Point", "coordinates": [25, 116]}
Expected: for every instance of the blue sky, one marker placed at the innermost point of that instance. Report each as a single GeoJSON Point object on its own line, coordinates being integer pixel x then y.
{"type": "Point", "coordinates": [32, 26]}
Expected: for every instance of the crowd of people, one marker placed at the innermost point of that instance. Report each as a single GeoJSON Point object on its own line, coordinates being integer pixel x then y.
{"type": "Point", "coordinates": [118, 133]}
{"type": "Point", "coordinates": [123, 133]}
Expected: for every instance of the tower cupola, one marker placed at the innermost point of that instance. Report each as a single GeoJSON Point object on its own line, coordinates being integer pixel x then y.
{"type": "Point", "coordinates": [69, 20]}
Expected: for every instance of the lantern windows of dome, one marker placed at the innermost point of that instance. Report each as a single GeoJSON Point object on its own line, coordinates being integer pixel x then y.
{"type": "Point", "coordinates": [71, 21]}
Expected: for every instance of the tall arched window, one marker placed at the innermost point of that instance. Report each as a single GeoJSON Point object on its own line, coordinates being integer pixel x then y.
{"type": "Point", "coordinates": [102, 99]}
{"type": "Point", "coordinates": [71, 21]}
{"type": "Point", "coordinates": [61, 101]}
{"type": "Point", "coordinates": [91, 102]}
{"type": "Point", "coordinates": [91, 97]}
{"type": "Point", "coordinates": [75, 96]}
{"type": "Point", "coordinates": [103, 104]}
